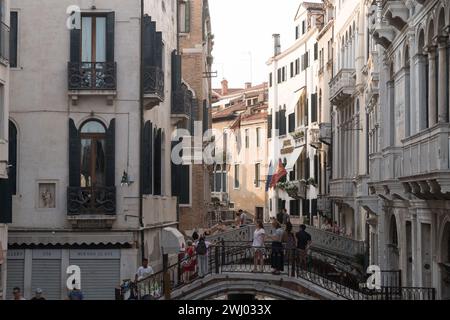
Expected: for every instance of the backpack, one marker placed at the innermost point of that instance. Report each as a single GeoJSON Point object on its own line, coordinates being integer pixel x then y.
{"type": "Point", "coordinates": [201, 247]}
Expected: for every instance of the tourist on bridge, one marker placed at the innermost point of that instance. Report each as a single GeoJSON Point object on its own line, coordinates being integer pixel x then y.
{"type": "Point", "coordinates": [283, 217]}
{"type": "Point", "coordinates": [277, 256]}
{"type": "Point", "coordinates": [291, 242]}
{"type": "Point", "coordinates": [189, 262]}
{"type": "Point", "coordinates": [259, 250]}
{"type": "Point", "coordinates": [202, 250]}
{"type": "Point", "coordinates": [303, 244]}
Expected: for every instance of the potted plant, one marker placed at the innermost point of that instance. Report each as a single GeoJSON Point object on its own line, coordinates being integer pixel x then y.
{"type": "Point", "coordinates": [298, 135]}
{"type": "Point", "coordinates": [311, 182]}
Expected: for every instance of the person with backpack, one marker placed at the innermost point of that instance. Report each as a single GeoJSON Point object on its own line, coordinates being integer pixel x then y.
{"type": "Point", "coordinates": [201, 249]}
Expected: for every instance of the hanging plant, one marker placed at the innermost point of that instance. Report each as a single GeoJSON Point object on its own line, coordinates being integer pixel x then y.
{"type": "Point", "coordinates": [298, 135]}
{"type": "Point", "coordinates": [312, 182]}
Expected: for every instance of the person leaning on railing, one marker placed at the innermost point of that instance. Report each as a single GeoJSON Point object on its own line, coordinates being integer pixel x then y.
{"type": "Point", "coordinates": [303, 245]}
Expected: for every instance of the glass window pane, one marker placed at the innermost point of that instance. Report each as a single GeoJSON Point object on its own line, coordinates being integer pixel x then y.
{"type": "Point", "coordinates": [224, 182]}
{"type": "Point", "coordinates": [86, 179]}
{"type": "Point", "coordinates": [93, 127]}
{"type": "Point", "coordinates": [218, 181]}
{"type": "Point", "coordinates": [86, 45]}
{"type": "Point", "coordinates": [100, 163]}
{"type": "Point", "coordinates": [100, 45]}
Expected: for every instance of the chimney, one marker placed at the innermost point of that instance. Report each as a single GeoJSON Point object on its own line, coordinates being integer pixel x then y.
{"type": "Point", "coordinates": [248, 85]}
{"type": "Point", "coordinates": [276, 44]}
{"type": "Point", "coordinates": [224, 87]}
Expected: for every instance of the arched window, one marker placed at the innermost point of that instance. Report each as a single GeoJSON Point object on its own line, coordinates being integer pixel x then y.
{"type": "Point", "coordinates": [12, 156]}
{"type": "Point", "coordinates": [93, 156]}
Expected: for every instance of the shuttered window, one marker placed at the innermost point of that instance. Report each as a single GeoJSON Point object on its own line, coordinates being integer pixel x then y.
{"type": "Point", "coordinates": [157, 163]}
{"type": "Point", "coordinates": [305, 207]}
{"type": "Point", "coordinates": [13, 40]}
{"type": "Point", "coordinates": [184, 12]}
{"type": "Point", "coordinates": [153, 46]}
{"type": "Point", "coordinates": [294, 207]}
{"type": "Point", "coordinates": [314, 107]}
{"type": "Point", "coordinates": [205, 116]}
{"type": "Point", "coordinates": [5, 201]}
{"type": "Point", "coordinates": [316, 169]}
{"type": "Point", "coordinates": [12, 157]}
{"type": "Point", "coordinates": [269, 126]}
{"type": "Point", "coordinates": [282, 125]}
{"type": "Point", "coordinates": [292, 122]}
{"type": "Point", "coordinates": [314, 207]}
{"type": "Point", "coordinates": [316, 51]}
{"type": "Point", "coordinates": [147, 161]}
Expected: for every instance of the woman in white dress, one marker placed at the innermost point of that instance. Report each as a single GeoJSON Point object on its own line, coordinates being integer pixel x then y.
{"type": "Point", "coordinates": [259, 237]}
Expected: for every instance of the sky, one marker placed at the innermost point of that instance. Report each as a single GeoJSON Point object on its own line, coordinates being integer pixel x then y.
{"type": "Point", "coordinates": [243, 37]}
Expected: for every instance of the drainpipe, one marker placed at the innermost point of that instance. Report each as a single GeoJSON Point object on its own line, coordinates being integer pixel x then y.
{"type": "Point", "coordinates": [141, 135]}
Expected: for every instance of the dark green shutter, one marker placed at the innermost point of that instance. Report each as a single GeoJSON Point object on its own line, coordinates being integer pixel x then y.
{"type": "Point", "coordinates": [147, 158]}
{"type": "Point", "coordinates": [13, 39]}
{"type": "Point", "coordinates": [314, 107]}
{"type": "Point", "coordinates": [314, 207]}
{"type": "Point", "coordinates": [75, 45]}
{"type": "Point", "coordinates": [307, 166]}
{"type": "Point", "coordinates": [159, 50]}
{"type": "Point", "coordinates": [205, 116]}
{"type": "Point", "coordinates": [316, 169]}
{"type": "Point", "coordinates": [269, 126]}
{"type": "Point", "coordinates": [5, 201]}
{"type": "Point", "coordinates": [12, 154]}
{"type": "Point", "coordinates": [157, 163]}
{"type": "Point", "coordinates": [282, 120]}
{"type": "Point", "coordinates": [277, 120]}
{"type": "Point", "coordinates": [176, 70]}
{"type": "Point", "coordinates": [305, 208]}
{"type": "Point", "coordinates": [110, 26]}
{"type": "Point", "coordinates": [111, 154]}
{"type": "Point", "coordinates": [147, 43]}
{"type": "Point", "coordinates": [184, 184]}
{"type": "Point", "coordinates": [74, 155]}
{"type": "Point", "coordinates": [292, 122]}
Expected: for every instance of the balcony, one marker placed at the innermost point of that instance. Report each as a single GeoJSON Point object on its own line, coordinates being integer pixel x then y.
{"type": "Point", "coordinates": [299, 137]}
{"type": "Point", "coordinates": [181, 105]}
{"type": "Point", "coordinates": [342, 86]}
{"type": "Point", "coordinates": [92, 79]}
{"type": "Point", "coordinates": [91, 207]}
{"type": "Point", "coordinates": [295, 189]}
{"type": "Point", "coordinates": [325, 133]}
{"type": "Point", "coordinates": [4, 42]}
{"type": "Point", "coordinates": [314, 140]}
{"type": "Point", "coordinates": [153, 86]}
{"type": "Point", "coordinates": [396, 13]}
{"type": "Point", "coordinates": [426, 169]}
{"type": "Point", "coordinates": [342, 188]}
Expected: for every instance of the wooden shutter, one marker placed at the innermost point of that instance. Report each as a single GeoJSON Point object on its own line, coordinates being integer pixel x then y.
{"type": "Point", "coordinates": [184, 181]}
{"type": "Point", "coordinates": [147, 158]}
{"type": "Point", "coordinates": [277, 120]}
{"type": "Point", "coordinates": [316, 50]}
{"type": "Point", "coordinates": [292, 122]}
{"type": "Point", "coordinates": [314, 207]}
{"type": "Point", "coordinates": [75, 45]}
{"type": "Point", "coordinates": [314, 107]}
{"type": "Point", "coordinates": [205, 116]}
{"type": "Point", "coordinates": [12, 154]}
{"type": "Point", "coordinates": [159, 50]}
{"type": "Point", "coordinates": [13, 39]}
{"type": "Point", "coordinates": [148, 43]}
{"type": "Point", "coordinates": [111, 154]}
{"type": "Point", "coordinates": [306, 112]}
{"type": "Point", "coordinates": [269, 126]}
{"type": "Point", "coordinates": [74, 155]}
{"type": "Point", "coordinates": [110, 26]}
{"type": "Point", "coordinates": [5, 201]}
{"type": "Point", "coordinates": [157, 163]}
{"type": "Point", "coordinates": [176, 70]}
{"type": "Point", "coordinates": [316, 169]}
{"type": "Point", "coordinates": [294, 208]}
{"type": "Point", "coordinates": [307, 168]}
{"type": "Point", "coordinates": [305, 207]}
{"type": "Point", "coordinates": [282, 122]}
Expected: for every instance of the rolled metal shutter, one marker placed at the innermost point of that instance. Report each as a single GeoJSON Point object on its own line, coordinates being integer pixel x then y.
{"type": "Point", "coordinates": [14, 276]}
{"type": "Point", "coordinates": [99, 278]}
{"type": "Point", "coordinates": [46, 274]}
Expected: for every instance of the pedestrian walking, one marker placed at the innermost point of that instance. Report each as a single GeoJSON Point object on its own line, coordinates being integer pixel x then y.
{"type": "Point", "coordinates": [75, 294]}
{"type": "Point", "coordinates": [291, 243]}
{"type": "Point", "coordinates": [189, 262]}
{"type": "Point", "coordinates": [17, 294]}
{"type": "Point", "coordinates": [144, 271]}
{"type": "Point", "coordinates": [38, 295]}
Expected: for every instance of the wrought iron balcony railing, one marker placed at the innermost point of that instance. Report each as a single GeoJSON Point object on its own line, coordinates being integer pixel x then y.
{"type": "Point", "coordinates": [181, 102]}
{"type": "Point", "coordinates": [4, 42]}
{"type": "Point", "coordinates": [154, 82]}
{"type": "Point", "coordinates": [92, 75]}
{"type": "Point", "coordinates": [91, 201]}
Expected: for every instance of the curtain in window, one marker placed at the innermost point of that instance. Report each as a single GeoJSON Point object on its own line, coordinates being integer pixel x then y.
{"type": "Point", "coordinates": [86, 39]}
{"type": "Point", "coordinates": [100, 38]}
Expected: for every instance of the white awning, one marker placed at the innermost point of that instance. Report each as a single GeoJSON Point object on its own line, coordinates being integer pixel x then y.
{"type": "Point", "coordinates": [293, 157]}
{"type": "Point", "coordinates": [297, 95]}
{"type": "Point", "coordinates": [172, 240]}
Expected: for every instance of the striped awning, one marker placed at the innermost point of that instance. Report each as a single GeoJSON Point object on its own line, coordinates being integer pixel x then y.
{"type": "Point", "coordinates": [70, 238]}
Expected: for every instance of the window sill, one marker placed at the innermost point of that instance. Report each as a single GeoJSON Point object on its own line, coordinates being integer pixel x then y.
{"type": "Point", "coordinates": [76, 94]}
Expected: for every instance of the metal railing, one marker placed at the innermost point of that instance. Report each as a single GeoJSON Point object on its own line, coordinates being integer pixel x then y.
{"type": "Point", "coordinates": [181, 102]}
{"type": "Point", "coordinates": [4, 41]}
{"type": "Point", "coordinates": [95, 200]}
{"type": "Point", "coordinates": [154, 81]}
{"type": "Point", "coordinates": [238, 257]}
{"type": "Point", "coordinates": [92, 75]}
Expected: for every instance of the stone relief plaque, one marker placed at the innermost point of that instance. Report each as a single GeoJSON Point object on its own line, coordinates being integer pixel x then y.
{"type": "Point", "coordinates": [47, 193]}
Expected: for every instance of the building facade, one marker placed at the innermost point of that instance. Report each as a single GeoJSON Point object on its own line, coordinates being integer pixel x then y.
{"type": "Point", "coordinates": [93, 110]}
{"type": "Point", "coordinates": [5, 193]}
{"type": "Point", "coordinates": [196, 44]}
{"type": "Point", "coordinates": [409, 140]}
{"type": "Point", "coordinates": [295, 118]}
{"type": "Point", "coordinates": [239, 121]}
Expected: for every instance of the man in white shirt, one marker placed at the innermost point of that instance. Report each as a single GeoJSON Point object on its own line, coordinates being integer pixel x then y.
{"type": "Point", "coordinates": [144, 271]}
